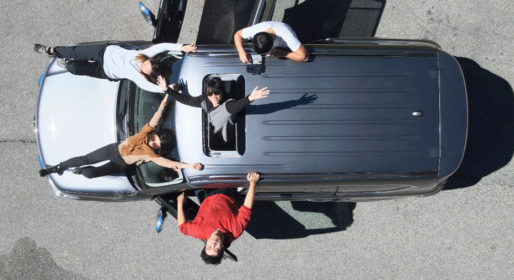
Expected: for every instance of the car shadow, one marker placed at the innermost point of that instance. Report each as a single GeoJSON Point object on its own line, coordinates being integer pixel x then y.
{"type": "Point", "coordinates": [269, 221]}
{"type": "Point", "coordinates": [490, 143]}
{"type": "Point", "coordinates": [315, 20]}
{"type": "Point", "coordinates": [221, 19]}
{"type": "Point", "coordinates": [312, 20]}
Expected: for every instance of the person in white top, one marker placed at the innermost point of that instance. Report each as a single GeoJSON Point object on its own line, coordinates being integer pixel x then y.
{"type": "Point", "coordinates": [271, 38]}
{"type": "Point", "coordinates": [114, 62]}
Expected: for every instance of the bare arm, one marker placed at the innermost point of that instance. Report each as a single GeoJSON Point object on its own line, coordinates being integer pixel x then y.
{"type": "Point", "coordinates": [164, 162]}
{"type": "Point", "coordinates": [181, 217]}
{"type": "Point", "coordinates": [154, 121]}
{"type": "Point", "coordinates": [238, 41]}
{"type": "Point", "coordinates": [299, 55]}
{"type": "Point", "coordinates": [253, 178]}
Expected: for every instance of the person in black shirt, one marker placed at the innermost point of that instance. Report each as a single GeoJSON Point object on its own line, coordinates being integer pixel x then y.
{"type": "Point", "coordinates": [219, 110]}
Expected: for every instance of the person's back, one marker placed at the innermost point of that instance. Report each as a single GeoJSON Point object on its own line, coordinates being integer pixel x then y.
{"type": "Point", "coordinates": [118, 60]}
{"type": "Point", "coordinates": [270, 38]}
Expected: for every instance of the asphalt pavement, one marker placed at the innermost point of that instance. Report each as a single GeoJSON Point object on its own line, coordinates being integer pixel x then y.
{"type": "Point", "coordinates": [463, 232]}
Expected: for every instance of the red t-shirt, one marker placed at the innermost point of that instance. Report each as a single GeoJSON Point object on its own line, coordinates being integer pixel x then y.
{"type": "Point", "coordinates": [218, 211]}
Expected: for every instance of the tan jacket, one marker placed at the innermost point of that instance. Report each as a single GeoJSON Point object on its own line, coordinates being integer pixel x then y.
{"type": "Point", "coordinates": [135, 150]}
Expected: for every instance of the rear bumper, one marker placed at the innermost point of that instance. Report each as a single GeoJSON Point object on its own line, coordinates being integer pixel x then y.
{"type": "Point", "coordinates": [453, 114]}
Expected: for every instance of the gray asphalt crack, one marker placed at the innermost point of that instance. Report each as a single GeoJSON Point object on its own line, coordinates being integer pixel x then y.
{"type": "Point", "coordinates": [9, 141]}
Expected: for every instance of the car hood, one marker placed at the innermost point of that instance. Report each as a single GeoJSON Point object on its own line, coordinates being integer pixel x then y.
{"type": "Point", "coordinates": [76, 115]}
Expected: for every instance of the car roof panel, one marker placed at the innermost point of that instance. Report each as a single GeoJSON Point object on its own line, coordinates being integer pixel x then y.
{"type": "Point", "coordinates": [361, 121]}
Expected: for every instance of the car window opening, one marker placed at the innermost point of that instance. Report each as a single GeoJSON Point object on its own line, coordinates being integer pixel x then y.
{"type": "Point", "coordinates": [213, 143]}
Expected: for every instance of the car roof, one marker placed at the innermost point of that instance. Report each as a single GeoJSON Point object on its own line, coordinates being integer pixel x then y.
{"type": "Point", "coordinates": [373, 112]}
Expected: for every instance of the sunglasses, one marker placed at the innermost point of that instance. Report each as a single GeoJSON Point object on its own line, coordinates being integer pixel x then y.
{"type": "Point", "coordinates": [211, 92]}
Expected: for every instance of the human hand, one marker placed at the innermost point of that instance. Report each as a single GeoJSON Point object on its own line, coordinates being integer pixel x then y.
{"type": "Point", "coordinates": [244, 57]}
{"type": "Point", "coordinates": [161, 81]}
{"type": "Point", "coordinates": [258, 93]}
{"type": "Point", "coordinates": [175, 87]}
{"type": "Point", "coordinates": [181, 197]}
{"type": "Point", "coordinates": [188, 48]}
{"type": "Point", "coordinates": [197, 166]}
{"type": "Point", "coordinates": [252, 177]}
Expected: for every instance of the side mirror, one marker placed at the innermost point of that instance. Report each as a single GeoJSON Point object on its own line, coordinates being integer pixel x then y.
{"type": "Point", "coordinates": [147, 14]}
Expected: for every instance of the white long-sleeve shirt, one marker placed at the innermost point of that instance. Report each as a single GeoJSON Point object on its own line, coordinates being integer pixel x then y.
{"type": "Point", "coordinates": [120, 63]}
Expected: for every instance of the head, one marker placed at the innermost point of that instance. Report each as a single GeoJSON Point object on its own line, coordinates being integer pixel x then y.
{"type": "Point", "coordinates": [150, 68]}
{"type": "Point", "coordinates": [163, 141]}
{"type": "Point", "coordinates": [263, 42]}
{"type": "Point", "coordinates": [214, 91]}
{"type": "Point", "coordinates": [212, 253]}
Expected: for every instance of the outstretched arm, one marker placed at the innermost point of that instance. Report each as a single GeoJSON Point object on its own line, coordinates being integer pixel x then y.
{"type": "Point", "coordinates": [154, 121]}
{"type": "Point", "coordinates": [238, 106]}
{"type": "Point", "coordinates": [164, 162]}
{"type": "Point", "coordinates": [253, 178]}
{"type": "Point", "coordinates": [181, 217]}
{"type": "Point", "coordinates": [162, 47]}
{"type": "Point", "coordinates": [238, 41]}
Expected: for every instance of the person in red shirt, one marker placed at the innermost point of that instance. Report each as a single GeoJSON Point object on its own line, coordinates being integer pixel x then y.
{"type": "Point", "coordinates": [219, 221]}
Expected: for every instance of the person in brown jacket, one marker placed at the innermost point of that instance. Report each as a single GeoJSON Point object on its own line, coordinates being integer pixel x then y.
{"type": "Point", "coordinates": [147, 145]}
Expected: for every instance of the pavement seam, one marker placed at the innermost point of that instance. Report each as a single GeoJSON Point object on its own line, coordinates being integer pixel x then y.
{"type": "Point", "coordinates": [17, 141]}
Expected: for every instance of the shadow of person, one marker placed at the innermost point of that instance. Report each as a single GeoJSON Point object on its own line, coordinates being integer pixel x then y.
{"type": "Point", "coordinates": [27, 261]}
{"type": "Point", "coordinates": [277, 106]}
{"type": "Point", "coordinates": [269, 221]}
{"type": "Point", "coordinates": [340, 213]}
{"type": "Point", "coordinates": [490, 142]}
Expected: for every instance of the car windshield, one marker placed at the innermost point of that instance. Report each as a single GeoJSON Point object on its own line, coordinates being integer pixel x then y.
{"type": "Point", "coordinates": [142, 106]}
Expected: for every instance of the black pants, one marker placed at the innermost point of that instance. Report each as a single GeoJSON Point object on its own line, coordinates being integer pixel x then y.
{"type": "Point", "coordinates": [202, 194]}
{"type": "Point", "coordinates": [84, 60]}
{"type": "Point", "coordinates": [110, 152]}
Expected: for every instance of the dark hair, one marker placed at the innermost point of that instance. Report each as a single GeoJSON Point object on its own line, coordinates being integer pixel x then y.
{"type": "Point", "coordinates": [158, 68]}
{"type": "Point", "coordinates": [210, 259]}
{"type": "Point", "coordinates": [168, 141]}
{"type": "Point", "coordinates": [262, 42]}
{"type": "Point", "coordinates": [215, 84]}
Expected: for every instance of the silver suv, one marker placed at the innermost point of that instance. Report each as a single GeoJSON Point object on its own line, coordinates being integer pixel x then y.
{"type": "Point", "coordinates": [361, 120]}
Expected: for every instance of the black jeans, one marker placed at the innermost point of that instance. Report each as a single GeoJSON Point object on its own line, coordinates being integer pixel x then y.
{"type": "Point", "coordinates": [84, 60]}
{"type": "Point", "coordinates": [202, 194]}
{"type": "Point", "coordinates": [110, 152]}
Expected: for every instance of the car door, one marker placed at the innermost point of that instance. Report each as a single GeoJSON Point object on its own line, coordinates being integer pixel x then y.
{"type": "Point", "coordinates": [169, 20]}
